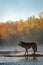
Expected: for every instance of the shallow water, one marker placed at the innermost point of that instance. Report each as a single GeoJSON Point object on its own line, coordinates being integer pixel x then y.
{"type": "Point", "coordinates": [20, 61]}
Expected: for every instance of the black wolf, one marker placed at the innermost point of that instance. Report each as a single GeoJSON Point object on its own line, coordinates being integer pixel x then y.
{"type": "Point", "coordinates": [27, 46]}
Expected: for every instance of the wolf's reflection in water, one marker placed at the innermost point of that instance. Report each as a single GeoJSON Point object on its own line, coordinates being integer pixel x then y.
{"type": "Point", "coordinates": [28, 61]}
{"type": "Point", "coordinates": [27, 58]}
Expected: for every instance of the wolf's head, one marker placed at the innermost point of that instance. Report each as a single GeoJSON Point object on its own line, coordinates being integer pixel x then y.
{"type": "Point", "coordinates": [20, 43]}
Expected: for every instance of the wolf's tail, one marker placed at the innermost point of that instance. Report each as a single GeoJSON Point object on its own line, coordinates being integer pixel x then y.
{"type": "Point", "coordinates": [35, 48]}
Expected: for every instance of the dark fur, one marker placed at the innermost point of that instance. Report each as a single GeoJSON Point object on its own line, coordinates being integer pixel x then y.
{"type": "Point", "coordinates": [27, 46]}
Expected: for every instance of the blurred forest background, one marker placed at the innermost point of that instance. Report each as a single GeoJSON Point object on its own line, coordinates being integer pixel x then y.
{"type": "Point", "coordinates": [29, 30]}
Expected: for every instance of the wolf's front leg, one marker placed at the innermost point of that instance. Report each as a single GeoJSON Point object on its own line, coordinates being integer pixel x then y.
{"type": "Point", "coordinates": [27, 51]}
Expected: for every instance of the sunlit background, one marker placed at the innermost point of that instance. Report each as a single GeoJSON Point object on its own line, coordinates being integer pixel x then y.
{"type": "Point", "coordinates": [24, 21]}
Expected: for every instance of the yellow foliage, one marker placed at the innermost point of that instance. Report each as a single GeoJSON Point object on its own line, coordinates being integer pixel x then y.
{"type": "Point", "coordinates": [20, 27]}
